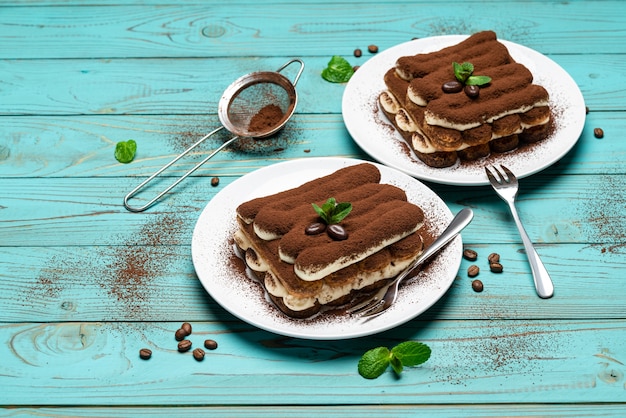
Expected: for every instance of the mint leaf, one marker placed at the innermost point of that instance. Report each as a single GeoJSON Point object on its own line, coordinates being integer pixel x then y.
{"type": "Point", "coordinates": [331, 212]}
{"type": "Point", "coordinates": [340, 211]}
{"type": "Point", "coordinates": [477, 80]}
{"type": "Point", "coordinates": [338, 70]}
{"type": "Point", "coordinates": [125, 151]}
{"type": "Point", "coordinates": [396, 364]}
{"type": "Point", "coordinates": [411, 353]}
{"type": "Point", "coordinates": [374, 362]}
{"type": "Point", "coordinates": [462, 71]}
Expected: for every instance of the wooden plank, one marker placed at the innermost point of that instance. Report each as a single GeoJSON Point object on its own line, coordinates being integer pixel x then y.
{"type": "Point", "coordinates": [84, 146]}
{"type": "Point", "coordinates": [270, 29]}
{"type": "Point", "coordinates": [79, 211]}
{"type": "Point", "coordinates": [158, 283]}
{"type": "Point", "coordinates": [335, 411]}
{"type": "Point", "coordinates": [506, 361]}
{"type": "Point", "coordinates": [194, 86]}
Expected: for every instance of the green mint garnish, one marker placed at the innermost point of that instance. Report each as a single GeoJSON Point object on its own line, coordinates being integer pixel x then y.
{"type": "Point", "coordinates": [338, 70]}
{"type": "Point", "coordinates": [125, 151]}
{"type": "Point", "coordinates": [463, 73]}
{"type": "Point", "coordinates": [332, 212]}
{"type": "Point", "coordinates": [407, 354]}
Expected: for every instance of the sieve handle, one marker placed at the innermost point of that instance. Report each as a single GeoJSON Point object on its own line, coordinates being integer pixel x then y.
{"type": "Point", "coordinates": [137, 189]}
{"type": "Point", "coordinates": [288, 63]}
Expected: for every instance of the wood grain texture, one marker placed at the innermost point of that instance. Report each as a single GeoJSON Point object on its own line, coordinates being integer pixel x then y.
{"type": "Point", "coordinates": [84, 284]}
{"type": "Point", "coordinates": [267, 28]}
{"type": "Point", "coordinates": [193, 86]}
{"type": "Point", "coordinates": [49, 362]}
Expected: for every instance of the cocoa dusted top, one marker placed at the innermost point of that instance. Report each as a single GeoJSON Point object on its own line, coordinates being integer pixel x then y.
{"type": "Point", "coordinates": [349, 177]}
{"type": "Point", "coordinates": [381, 216]}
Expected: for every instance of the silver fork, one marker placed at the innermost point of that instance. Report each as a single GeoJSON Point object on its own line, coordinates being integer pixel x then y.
{"type": "Point", "coordinates": [385, 297]}
{"type": "Point", "coordinates": [506, 186]}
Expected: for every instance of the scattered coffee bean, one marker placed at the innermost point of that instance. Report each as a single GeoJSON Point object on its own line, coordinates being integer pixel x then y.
{"type": "Point", "coordinates": [358, 52]}
{"type": "Point", "coordinates": [493, 258]}
{"type": "Point", "coordinates": [215, 181]}
{"type": "Point", "coordinates": [373, 49]}
{"type": "Point", "coordinates": [184, 345]}
{"type": "Point", "coordinates": [180, 334]}
{"type": "Point", "coordinates": [477, 285]}
{"type": "Point", "coordinates": [198, 354]}
{"type": "Point", "coordinates": [470, 255]}
{"type": "Point", "coordinates": [315, 228]}
{"type": "Point", "coordinates": [452, 86]}
{"type": "Point", "coordinates": [598, 133]}
{"type": "Point", "coordinates": [186, 327]}
{"type": "Point", "coordinates": [496, 267]}
{"type": "Point", "coordinates": [356, 67]}
{"type": "Point", "coordinates": [145, 353]}
{"type": "Point", "coordinates": [210, 344]}
{"type": "Point", "coordinates": [473, 270]}
{"type": "Point", "coordinates": [586, 110]}
{"type": "Point", "coordinates": [472, 91]}
{"type": "Point", "coordinates": [337, 232]}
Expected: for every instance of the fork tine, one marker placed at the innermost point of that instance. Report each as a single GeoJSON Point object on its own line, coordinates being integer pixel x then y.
{"type": "Point", "coordinates": [510, 176]}
{"type": "Point", "coordinates": [371, 309]}
{"type": "Point", "coordinates": [491, 177]}
{"type": "Point", "coordinates": [363, 306]}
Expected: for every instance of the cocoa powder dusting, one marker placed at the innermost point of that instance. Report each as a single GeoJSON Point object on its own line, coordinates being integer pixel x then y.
{"type": "Point", "coordinates": [125, 268]}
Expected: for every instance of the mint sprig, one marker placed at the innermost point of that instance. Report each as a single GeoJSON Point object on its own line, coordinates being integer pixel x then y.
{"type": "Point", "coordinates": [332, 212]}
{"type": "Point", "coordinates": [125, 151]}
{"type": "Point", "coordinates": [464, 73]}
{"type": "Point", "coordinates": [338, 70]}
{"type": "Point", "coordinates": [407, 354]}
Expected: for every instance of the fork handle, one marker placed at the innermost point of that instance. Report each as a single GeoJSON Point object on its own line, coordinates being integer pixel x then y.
{"type": "Point", "coordinates": [541, 277]}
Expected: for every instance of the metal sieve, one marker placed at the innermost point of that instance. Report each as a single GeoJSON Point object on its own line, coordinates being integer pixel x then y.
{"type": "Point", "coordinates": [246, 98]}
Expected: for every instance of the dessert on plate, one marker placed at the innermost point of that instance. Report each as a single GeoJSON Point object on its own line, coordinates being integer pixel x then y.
{"type": "Point", "coordinates": [465, 102]}
{"type": "Point", "coordinates": [308, 261]}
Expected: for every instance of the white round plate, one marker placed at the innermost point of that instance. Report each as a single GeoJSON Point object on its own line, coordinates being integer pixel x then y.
{"type": "Point", "coordinates": [212, 254]}
{"type": "Point", "coordinates": [371, 130]}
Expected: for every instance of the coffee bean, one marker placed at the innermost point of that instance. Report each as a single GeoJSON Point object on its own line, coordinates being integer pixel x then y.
{"type": "Point", "coordinates": [186, 326]}
{"type": "Point", "coordinates": [586, 110]}
{"type": "Point", "coordinates": [452, 86]}
{"type": "Point", "coordinates": [184, 345]}
{"type": "Point", "coordinates": [470, 255]}
{"type": "Point", "coordinates": [337, 232]}
{"type": "Point", "coordinates": [198, 354]}
{"type": "Point", "coordinates": [493, 258]}
{"type": "Point", "coordinates": [356, 67]}
{"type": "Point", "coordinates": [477, 285]}
{"type": "Point", "coordinates": [598, 133]}
{"type": "Point", "coordinates": [180, 334]}
{"type": "Point", "coordinates": [496, 267]}
{"type": "Point", "coordinates": [358, 52]}
{"type": "Point", "coordinates": [473, 270]}
{"type": "Point", "coordinates": [145, 353]}
{"type": "Point", "coordinates": [210, 344]}
{"type": "Point", "coordinates": [472, 91]}
{"type": "Point", "coordinates": [315, 228]}
{"type": "Point", "coordinates": [215, 181]}
{"type": "Point", "coordinates": [373, 49]}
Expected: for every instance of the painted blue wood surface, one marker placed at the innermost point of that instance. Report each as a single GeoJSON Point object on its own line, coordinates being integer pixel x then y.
{"type": "Point", "coordinates": [76, 77]}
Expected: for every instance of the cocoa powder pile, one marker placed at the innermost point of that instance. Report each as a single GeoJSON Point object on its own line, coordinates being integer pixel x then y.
{"type": "Point", "coordinates": [267, 118]}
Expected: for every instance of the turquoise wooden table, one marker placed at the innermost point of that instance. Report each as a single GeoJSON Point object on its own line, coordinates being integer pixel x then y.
{"type": "Point", "coordinates": [85, 284]}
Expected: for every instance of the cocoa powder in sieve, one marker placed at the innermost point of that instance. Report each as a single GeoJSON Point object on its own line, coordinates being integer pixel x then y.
{"type": "Point", "coordinates": [266, 118]}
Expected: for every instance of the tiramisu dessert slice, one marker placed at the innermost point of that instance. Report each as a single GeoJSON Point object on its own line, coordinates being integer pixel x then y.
{"type": "Point", "coordinates": [329, 240]}
{"type": "Point", "coordinates": [465, 101]}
